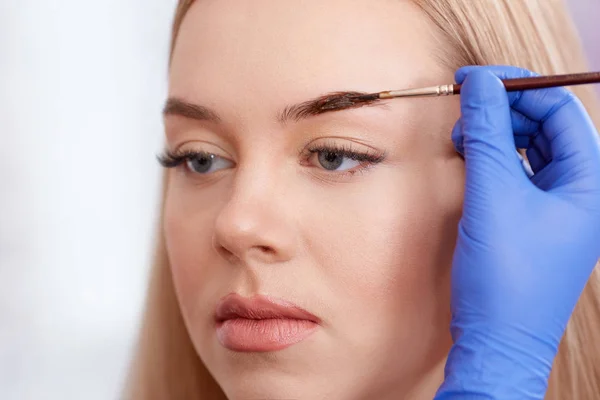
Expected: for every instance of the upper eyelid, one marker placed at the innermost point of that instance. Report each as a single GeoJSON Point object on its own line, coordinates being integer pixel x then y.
{"type": "Point", "coordinates": [349, 149]}
{"type": "Point", "coordinates": [199, 146]}
{"type": "Point", "coordinates": [357, 155]}
{"type": "Point", "coordinates": [343, 140]}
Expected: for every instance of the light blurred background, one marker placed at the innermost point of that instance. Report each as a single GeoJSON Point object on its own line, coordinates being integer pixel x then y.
{"type": "Point", "coordinates": [81, 89]}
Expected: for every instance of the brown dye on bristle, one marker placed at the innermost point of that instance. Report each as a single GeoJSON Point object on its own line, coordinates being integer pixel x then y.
{"type": "Point", "coordinates": [344, 100]}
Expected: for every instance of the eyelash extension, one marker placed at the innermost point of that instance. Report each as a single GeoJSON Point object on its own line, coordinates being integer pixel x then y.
{"type": "Point", "coordinates": [172, 159]}
{"type": "Point", "coordinates": [372, 157]}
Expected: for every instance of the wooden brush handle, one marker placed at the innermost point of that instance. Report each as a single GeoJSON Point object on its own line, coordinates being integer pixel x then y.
{"type": "Point", "coordinates": [540, 82]}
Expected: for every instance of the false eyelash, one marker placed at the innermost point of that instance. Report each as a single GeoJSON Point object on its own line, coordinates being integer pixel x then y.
{"type": "Point", "coordinates": [172, 159]}
{"type": "Point", "coordinates": [369, 157]}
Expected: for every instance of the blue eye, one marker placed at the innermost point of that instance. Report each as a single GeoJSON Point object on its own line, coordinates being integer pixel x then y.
{"type": "Point", "coordinates": [197, 162]}
{"type": "Point", "coordinates": [340, 158]}
{"type": "Point", "coordinates": [336, 161]}
{"type": "Point", "coordinates": [204, 163]}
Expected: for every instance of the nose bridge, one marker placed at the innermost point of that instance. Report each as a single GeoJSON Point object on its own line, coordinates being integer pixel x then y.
{"type": "Point", "coordinates": [255, 184]}
{"type": "Point", "coordinates": [252, 226]}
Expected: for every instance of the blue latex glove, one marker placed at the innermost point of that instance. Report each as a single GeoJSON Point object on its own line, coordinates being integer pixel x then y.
{"type": "Point", "coordinates": [526, 246]}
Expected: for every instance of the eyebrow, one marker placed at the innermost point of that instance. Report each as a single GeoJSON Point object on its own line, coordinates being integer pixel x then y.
{"type": "Point", "coordinates": [330, 102]}
{"type": "Point", "coordinates": [175, 106]}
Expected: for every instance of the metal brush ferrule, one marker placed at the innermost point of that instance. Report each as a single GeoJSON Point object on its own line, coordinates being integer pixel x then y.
{"type": "Point", "coordinates": [445, 90]}
{"type": "Point", "coordinates": [442, 90]}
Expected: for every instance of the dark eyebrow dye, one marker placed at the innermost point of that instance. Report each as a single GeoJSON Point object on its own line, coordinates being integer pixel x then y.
{"type": "Point", "coordinates": [330, 102]}
{"type": "Point", "coordinates": [343, 100]}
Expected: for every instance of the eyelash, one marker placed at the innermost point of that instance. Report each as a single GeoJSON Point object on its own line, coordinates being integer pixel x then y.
{"type": "Point", "coordinates": [173, 159]}
{"type": "Point", "coordinates": [366, 158]}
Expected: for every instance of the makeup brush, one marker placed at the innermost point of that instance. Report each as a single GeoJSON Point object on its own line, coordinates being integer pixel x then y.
{"type": "Point", "coordinates": [511, 85]}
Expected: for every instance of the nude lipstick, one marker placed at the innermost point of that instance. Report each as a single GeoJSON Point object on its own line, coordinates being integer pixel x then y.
{"type": "Point", "coordinates": [261, 324]}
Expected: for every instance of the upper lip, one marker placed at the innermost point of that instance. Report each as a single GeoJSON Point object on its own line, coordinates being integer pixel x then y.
{"type": "Point", "coordinates": [234, 306]}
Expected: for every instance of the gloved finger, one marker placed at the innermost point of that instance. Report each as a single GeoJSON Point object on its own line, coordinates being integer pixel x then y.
{"type": "Point", "coordinates": [502, 72]}
{"type": "Point", "coordinates": [457, 140]}
{"type": "Point", "coordinates": [536, 159]}
{"type": "Point", "coordinates": [542, 145]}
{"type": "Point", "coordinates": [526, 130]}
{"type": "Point", "coordinates": [545, 179]}
{"type": "Point", "coordinates": [457, 137]}
{"type": "Point", "coordinates": [487, 127]}
{"type": "Point", "coordinates": [521, 125]}
{"type": "Point", "coordinates": [565, 126]}
{"type": "Point", "coordinates": [563, 120]}
{"type": "Point", "coordinates": [525, 126]}
{"type": "Point", "coordinates": [523, 129]}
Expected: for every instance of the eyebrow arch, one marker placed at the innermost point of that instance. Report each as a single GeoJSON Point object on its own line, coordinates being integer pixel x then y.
{"type": "Point", "coordinates": [175, 106]}
{"type": "Point", "coordinates": [330, 102]}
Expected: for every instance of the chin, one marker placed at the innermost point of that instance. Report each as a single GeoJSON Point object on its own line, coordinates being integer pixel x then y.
{"type": "Point", "coordinates": [271, 385]}
{"type": "Point", "coordinates": [295, 372]}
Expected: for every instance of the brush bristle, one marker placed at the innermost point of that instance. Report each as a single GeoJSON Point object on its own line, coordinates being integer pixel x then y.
{"type": "Point", "coordinates": [345, 100]}
{"type": "Point", "coordinates": [366, 97]}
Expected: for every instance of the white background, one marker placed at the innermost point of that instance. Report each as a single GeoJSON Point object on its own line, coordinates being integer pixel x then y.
{"type": "Point", "coordinates": [81, 89]}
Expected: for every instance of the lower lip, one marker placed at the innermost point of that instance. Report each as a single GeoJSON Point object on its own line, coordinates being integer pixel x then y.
{"type": "Point", "coordinates": [263, 335]}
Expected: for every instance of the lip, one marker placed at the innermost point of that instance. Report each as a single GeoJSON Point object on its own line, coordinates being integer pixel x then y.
{"type": "Point", "coordinates": [261, 324]}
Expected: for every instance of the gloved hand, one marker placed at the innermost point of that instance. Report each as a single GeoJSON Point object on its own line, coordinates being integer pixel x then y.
{"type": "Point", "coordinates": [526, 246]}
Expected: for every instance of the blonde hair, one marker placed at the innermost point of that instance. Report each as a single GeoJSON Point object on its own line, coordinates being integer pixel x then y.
{"type": "Point", "coordinates": [535, 34]}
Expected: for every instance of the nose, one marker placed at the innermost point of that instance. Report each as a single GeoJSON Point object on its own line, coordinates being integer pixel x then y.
{"type": "Point", "coordinates": [253, 227]}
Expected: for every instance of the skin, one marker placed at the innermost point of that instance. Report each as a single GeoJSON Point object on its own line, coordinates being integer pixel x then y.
{"type": "Point", "coordinates": [367, 251]}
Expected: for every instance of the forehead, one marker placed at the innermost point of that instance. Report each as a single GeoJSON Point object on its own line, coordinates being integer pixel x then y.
{"type": "Point", "coordinates": [301, 48]}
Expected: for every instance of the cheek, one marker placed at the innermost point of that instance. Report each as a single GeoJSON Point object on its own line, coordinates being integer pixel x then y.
{"type": "Point", "coordinates": [388, 269]}
{"type": "Point", "coordinates": [391, 236]}
{"type": "Point", "coordinates": [188, 240]}
{"type": "Point", "coordinates": [395, 253]}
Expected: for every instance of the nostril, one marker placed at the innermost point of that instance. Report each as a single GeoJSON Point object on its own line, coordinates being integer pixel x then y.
{"type": "Point", "coordinates": [266, 249]}
{"type": "Point", "coordinates": [225, 253]}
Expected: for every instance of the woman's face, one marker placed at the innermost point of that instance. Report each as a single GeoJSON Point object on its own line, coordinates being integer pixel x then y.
{"type": "Point", "coordinates": [349, 215]}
